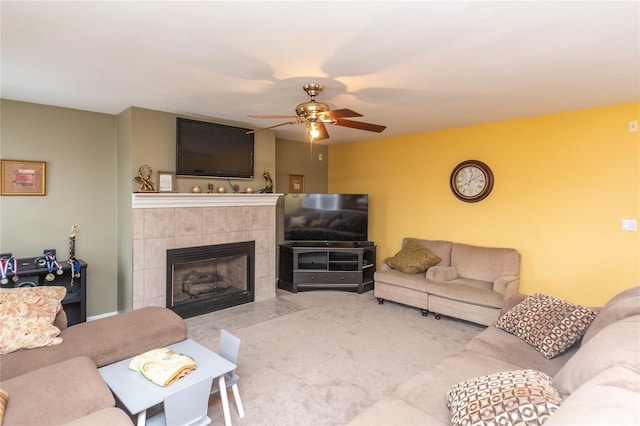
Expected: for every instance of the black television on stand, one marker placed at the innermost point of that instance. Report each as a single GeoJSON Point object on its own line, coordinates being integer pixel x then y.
{"type": "Point", "coordinates": [206, 149]}
{"type": "Point", "coordinates": [326, 219]}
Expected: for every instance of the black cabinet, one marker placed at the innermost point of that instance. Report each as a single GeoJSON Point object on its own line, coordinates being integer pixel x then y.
{"type": "Point", "coordinates": [338, 266]}
{"type": "Point", "coordinates": [32, 273]}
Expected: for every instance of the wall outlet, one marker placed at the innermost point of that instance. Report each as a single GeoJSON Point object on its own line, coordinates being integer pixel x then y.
{"type": "Point", "coordinates": [633, 126]}
{"type": "Point", "coordinates": [629, 225]}
{"type": "Point", "coordinates": [320, 157]}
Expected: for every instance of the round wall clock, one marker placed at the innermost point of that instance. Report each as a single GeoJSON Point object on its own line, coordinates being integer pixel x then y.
{"type": "Point", "coordinates": [471, 181]}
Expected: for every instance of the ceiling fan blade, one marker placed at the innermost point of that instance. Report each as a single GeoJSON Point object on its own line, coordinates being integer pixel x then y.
{"type": "Point", "coordinates": [274, 126]}
{"type": "Point", "coordinates": [360, 125]}
{"type": "Point", "coordinates": [323, 132]}
{"type": "Point", "coordinates": [272, 116]}
{"type": "Point", "coordinates": [338, 113]}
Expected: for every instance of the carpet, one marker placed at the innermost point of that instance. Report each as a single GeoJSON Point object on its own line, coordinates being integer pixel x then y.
{"type": "Point", "coordinates": [321, 357]}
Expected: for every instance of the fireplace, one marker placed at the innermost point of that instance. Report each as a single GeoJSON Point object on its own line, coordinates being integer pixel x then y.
{"type": "Point", "coordinates": [209, 278]}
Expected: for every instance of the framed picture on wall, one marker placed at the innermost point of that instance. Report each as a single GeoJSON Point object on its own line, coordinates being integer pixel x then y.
{"type": "Point", "coordinates": [296, 184]}
{"type": "Point", "coordinates": [166, 182]}
{"type": "Point", "coordinates": [23, 177]}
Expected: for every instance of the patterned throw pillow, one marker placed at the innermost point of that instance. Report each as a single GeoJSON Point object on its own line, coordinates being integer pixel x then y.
{"type": "Point", "coordinates": [521, 397]}
{"type": "Point", "coordinates": [413, 258]}
{"type": "Point", "coordinates": [548, 324]}
{"type": "Point", "coordinates": [27, 316]}
{"type": "Point", "coordinates": [4, 397]}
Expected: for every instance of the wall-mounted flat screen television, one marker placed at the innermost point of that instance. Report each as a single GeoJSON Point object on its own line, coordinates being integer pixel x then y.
{"type": "Point", "coordinates": [213, 150]}
{"type": "Point", "coordinates": [326, 217]}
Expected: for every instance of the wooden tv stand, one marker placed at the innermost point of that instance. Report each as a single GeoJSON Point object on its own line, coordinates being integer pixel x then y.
{"type": "Point", "coordinates": [333, 266]}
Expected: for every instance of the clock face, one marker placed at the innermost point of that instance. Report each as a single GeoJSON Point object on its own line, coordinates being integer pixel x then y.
{"type": "Point", "coordinates": [471, 181]}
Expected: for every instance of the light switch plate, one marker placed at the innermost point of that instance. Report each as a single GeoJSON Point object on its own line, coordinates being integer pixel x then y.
{"type": "Point", "coordinates": [629, 225]}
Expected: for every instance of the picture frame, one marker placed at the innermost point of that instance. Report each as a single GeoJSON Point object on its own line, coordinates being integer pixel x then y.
{"type": "Point", "coordinates": [166, 182]}
{"type": "Point", "coordinates": [23, 177]}
{"type": "Point", "coordinates": [296, 184]}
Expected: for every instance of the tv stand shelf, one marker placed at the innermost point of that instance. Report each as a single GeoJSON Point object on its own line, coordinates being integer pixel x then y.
{"type": "Point", "coordinates": [337, 266]}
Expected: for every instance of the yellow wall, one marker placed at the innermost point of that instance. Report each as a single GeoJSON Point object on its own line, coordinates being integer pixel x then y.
{"type": "Point", "coordinates": [563, 182]}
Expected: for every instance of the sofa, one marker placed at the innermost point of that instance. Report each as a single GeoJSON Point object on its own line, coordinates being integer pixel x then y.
{"type": "Point", "coordinates": [446, 278]}
{"type": "Point", "coordinates": [60, 383]}
{"type": "Point", "coordinates": [597, 378]}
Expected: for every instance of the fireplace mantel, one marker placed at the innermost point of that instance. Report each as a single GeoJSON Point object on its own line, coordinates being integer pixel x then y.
{"type": "Point", "coordinates": [141, 200]}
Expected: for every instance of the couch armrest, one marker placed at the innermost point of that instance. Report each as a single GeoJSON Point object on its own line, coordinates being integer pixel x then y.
{"type": "Point", "coordinates": [506, 285]}
{"type": "Point", "coordinates": [511, 302]}
{"type": "Point", "coordinates": [442, 273]}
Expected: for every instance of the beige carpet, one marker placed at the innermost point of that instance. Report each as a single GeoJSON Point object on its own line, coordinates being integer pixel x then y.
{"type": "Point", "coordinates": [321, 357]}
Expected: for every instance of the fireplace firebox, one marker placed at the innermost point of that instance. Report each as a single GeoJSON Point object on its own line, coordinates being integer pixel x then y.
{"type": "Point", "coordinates": [210, 278]}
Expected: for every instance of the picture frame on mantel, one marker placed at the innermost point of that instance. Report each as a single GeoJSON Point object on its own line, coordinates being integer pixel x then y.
{"type": "Point", "coordinates": [23, 177]}
{"type": "Point", "coordinates": [296, 184]}
{"type": "Point", "coordinates": [166, 182]}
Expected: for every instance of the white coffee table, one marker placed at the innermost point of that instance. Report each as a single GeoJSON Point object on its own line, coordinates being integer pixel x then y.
{"type": "Point", "coordinates": [138, 394]}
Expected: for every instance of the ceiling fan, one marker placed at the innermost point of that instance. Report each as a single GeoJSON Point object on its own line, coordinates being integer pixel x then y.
{"type": "Point", "coordinates": [315, 115]}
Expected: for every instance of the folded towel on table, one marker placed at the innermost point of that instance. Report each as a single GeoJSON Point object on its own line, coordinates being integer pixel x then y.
{"type": "Point", "coordinates": [162, 366]}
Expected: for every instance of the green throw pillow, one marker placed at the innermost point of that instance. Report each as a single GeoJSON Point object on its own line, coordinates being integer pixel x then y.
{"type": "Point", "coordinates": [413, 258]}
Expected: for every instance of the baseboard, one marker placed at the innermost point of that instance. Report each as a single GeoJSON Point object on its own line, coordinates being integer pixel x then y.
{"type": "Point", "coordinates": [108, 314]}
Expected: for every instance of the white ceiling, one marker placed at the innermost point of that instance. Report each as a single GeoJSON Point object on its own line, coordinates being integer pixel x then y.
{"type": "Point", "coordinates": [412, 66]}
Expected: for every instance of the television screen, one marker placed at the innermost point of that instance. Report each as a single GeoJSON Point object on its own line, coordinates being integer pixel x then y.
{"type": "Point", "coordinates": [326, 217]}
{"type": "Point", "coordinates": [213, 150]}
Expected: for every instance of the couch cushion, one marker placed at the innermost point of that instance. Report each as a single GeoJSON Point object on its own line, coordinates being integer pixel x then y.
{"type": "Point", "coordinates": [105, 341]}
{"type": "Point", "coordinates": [622, 305]}
{"type": "Point", "coordinates": [616, 345]}
{"type": "Point", "coordinates": [413, 258]}
{"type": "Point", "coordinates": [397, 278]}
{"type": "Point", "coordinates": [509, 397]}
{"type": "Point", "coordinates": [428, 389]}
{"type": "Point", "coordinates": [468, 291]}
{"type": "Point", "coordinates": [56, 394]}
{"type": "Point", "coordinates": [497, 343]}
{"type": "Point", "coordinates": [106, 417]}
{"type": "Point", "coordinates": [393, 411]}
{"type": "Point", "coordinates": [484, 263]}
{"type": "Point", "coordinates": [27, 316]}
{"type": "Point", "coordinates": [610, 398]}
{"type": "Point", "coordinates": [549, 324]}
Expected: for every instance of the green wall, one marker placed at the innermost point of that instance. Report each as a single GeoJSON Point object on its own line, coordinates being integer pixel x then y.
{"type": "Point", "coordinates": [79, 149]}
{"type": "Point", "coordinates": [92, 159]}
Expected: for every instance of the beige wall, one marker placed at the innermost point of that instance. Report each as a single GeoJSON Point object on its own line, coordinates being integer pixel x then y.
{"type": "Point", "coordinates": [79, 148]}
{"type": "Point", "coordinates": [563, 183]}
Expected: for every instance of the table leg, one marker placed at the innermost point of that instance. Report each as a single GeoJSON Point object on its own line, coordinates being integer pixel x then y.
{"type": "Point", "coordinates": [142, 418]}
{"type": "Point", "coordinates": [225, 400]}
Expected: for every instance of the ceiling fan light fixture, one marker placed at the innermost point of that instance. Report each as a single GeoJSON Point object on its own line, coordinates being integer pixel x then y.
{"type": "Point", "coordinates": [312, 130]}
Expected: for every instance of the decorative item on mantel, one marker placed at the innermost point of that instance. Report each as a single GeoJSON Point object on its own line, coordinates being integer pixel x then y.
{"type": "Point", "coordinates": [144, 178]}
{"type": "Point", "coordinates": [196, 189]}
{"type": "Point", "coordinates": [269, 183]}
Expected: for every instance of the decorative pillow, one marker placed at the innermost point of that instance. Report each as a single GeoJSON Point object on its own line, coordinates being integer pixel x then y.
{"type": "Point", "coordinates": [4, 397]}
{"type": "Point", "coordinates": [413, 258]}
{"type": "Point", "coordinates": [521, 397]}
{"type": "Point", "coordinates": [27, 316]}
{"type": "Point", "coordinates": [548, 324]}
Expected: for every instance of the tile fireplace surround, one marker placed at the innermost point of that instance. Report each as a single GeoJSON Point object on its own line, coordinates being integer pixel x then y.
{"type": "Point", "coordinates": [169, 221]}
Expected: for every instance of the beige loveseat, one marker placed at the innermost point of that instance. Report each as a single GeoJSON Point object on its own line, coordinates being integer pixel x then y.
{"type": "Point", "coordinates": [598, 378]}
{"type": "Point", "coordinates": [469, 282]}
{"type": "Point", "coordinates": [60, 384]}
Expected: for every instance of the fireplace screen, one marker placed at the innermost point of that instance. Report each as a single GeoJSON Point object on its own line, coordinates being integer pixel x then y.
{"type": "Point", "coordinates": [209, 278]}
